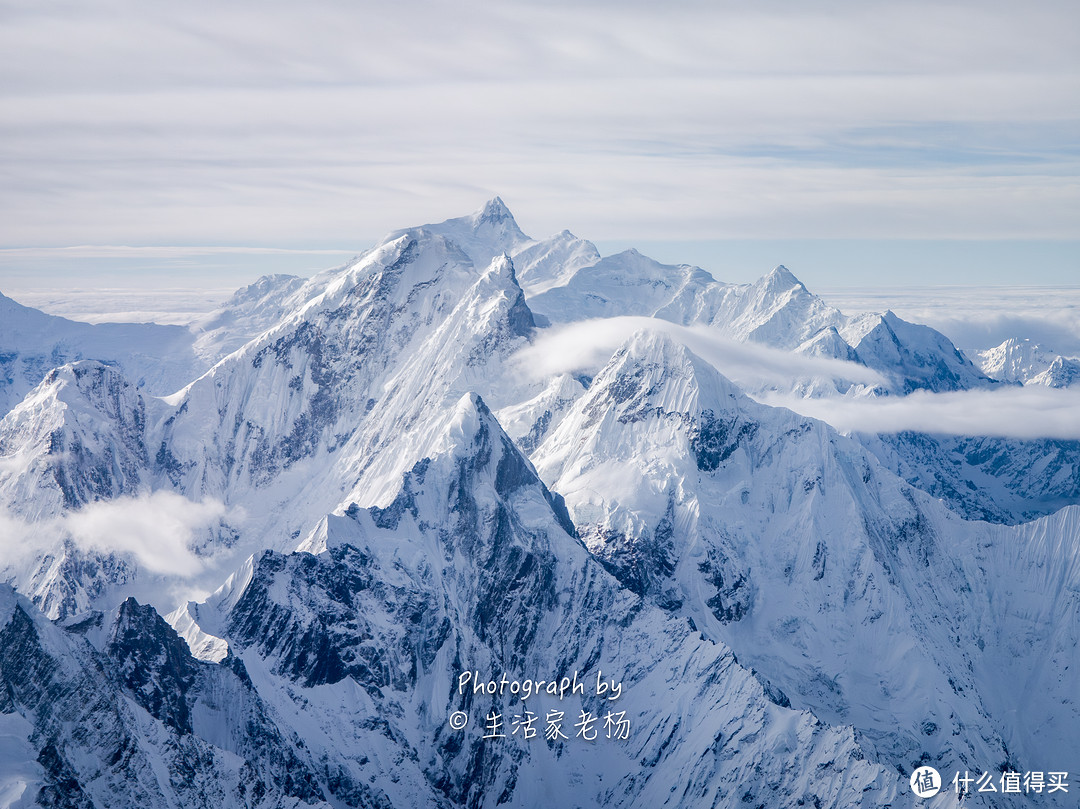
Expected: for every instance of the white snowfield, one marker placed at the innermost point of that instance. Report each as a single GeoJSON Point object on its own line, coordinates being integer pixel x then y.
{"type": "Point", "coordinates": [346, 491]}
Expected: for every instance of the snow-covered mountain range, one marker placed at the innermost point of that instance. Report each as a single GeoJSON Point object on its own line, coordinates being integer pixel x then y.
{"type": "Point", "coordinates": [344, 493]}
{"type": "Point", "coordinates": [1020, 360]}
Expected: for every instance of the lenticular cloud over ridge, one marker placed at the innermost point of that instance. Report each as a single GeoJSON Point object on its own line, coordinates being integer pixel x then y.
{"type": "Point", "coordinates": [587, 345]}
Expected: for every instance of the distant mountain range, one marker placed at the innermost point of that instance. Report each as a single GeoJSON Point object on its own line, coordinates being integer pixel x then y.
{"type": "Point", "coordinates": [381, 498]}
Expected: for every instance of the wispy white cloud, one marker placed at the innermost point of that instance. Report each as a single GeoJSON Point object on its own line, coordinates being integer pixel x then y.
{"type": "Point", "coordinates": [587, 346]}
{"type": "Point", "coordinates": [1015, 412]}
{"type": "Point", "coordinates": [272, 123]}
{"type": "Point", "coordinates": [160, 531]}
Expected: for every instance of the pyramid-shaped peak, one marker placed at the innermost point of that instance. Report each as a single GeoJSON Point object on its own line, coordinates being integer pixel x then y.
{"type": "Point", "coordinates": [782, 277]}
{"type": "Point", "coordinates": [1018, 344]}
{"type": "Point", "coordinates": [474, 435]}
{"type": "Point", "coordinates": [665, 363]}
{"type": "Point", "coordinates": [494, 220]}
{"type": "Point", "coordinates": [482, 235]}
{"type": "Point", "coordinates": [471, 418]}
{"type": "Point", "coordinates": [495, 212]}
{"type": "Point", "coordinates": [648, 342]}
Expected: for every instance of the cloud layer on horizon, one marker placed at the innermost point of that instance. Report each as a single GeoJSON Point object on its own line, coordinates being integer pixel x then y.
{"type": "Point", "coordinates": [979, 317]}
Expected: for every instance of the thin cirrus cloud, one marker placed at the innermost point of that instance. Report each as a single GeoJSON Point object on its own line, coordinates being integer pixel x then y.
{"type": "Point", "coordinates": [198, 123]}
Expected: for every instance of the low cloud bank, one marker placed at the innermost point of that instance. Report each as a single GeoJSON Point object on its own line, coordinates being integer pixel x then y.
{"type": "Point", "coordinates": [1014, 412]}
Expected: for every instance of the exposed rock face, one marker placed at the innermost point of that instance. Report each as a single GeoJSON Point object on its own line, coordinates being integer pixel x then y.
{"type": "Point", "coordinates": [140, 722]}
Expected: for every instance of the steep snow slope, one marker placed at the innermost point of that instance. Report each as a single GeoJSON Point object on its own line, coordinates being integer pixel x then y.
{"type": "Point", "coordinates": [306, 411]}
{"type": "Point", "coordinates": [250, 311]}
{"type": "Point", "coordinates": [916, 357]}
{"type": "Point", "coordinates": [159, 360]}
{"type": "Point", "coordinates": [850, 593]}
{"type": "Point", "coordinates": [627, 283]}
{"type": "Point", "coordinates": [489, 232]}
{"type": "Point", "coordinates": [79, 436]}
{"type": "Point", "coordinates": [1014, 360]}
{"type": "Point", "coordinates": [552, 262]}
{"type": "Point", "coordinates": [1062, 373]}
{"type": "Point", "coordinates": [780, 542]}
{"type": "Point", "coordinates": [284, 427]}
{"type": "Point", "coordinates": [1002, 480]}
{"type": "Point", "coordinates": [471, 568]}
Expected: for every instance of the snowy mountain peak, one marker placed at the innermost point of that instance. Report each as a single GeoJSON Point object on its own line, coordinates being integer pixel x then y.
{"type": "Point", "coordinates": [655, 412]}
{"type": "Point", "coordinates": [263, 286]}
{"type": "Point", "coordinates": [482, 235]}
{"type": "Point", "coordinates": [552, 262]}
{"type": "Point", "coordinates": [478, 448]}
{"type": "Point", "coordinates": [1014, 360]}
{"type": "Point", "coordinates": [502, 264]}
{"type": "Point", "coordinates": [917, 357]}
{"type": "Point", "coordinates": [470, 421]}
{"type": "Point", "coordinates": [494, 212]}
{"type": "Point", "coordinates": [389, 461]}
{"type": "Point", "coordinates": [627, 283]}
{"type": "Point", "coordinates": [668, 373]}
{"type": "Point", "coordinates": [98, 383]}
{"type": "Point", "coordinates": [779, 288]}
{"type": "Point", "coordinates": [1062, 373]}
{"type": "Point", "coordinates": [9, 305]}
{"type": "Point", "coordinates": [828, 343]}
{"type": "Point", "coordinates": [781, 278]}
{"type": "Point", "coordinates": [80, 437]}
{"type": "Point", "coordinates": [1028, 363]}
{"type": "Point", "coordinates": [155, 357]}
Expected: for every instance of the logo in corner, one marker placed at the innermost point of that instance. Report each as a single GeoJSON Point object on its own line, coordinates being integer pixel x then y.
{"type": "Point", "coordinates": [925, 782]}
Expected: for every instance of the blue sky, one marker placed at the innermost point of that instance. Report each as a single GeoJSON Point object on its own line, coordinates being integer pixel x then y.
{"type": "Point", "coordinates": [858, 143]}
